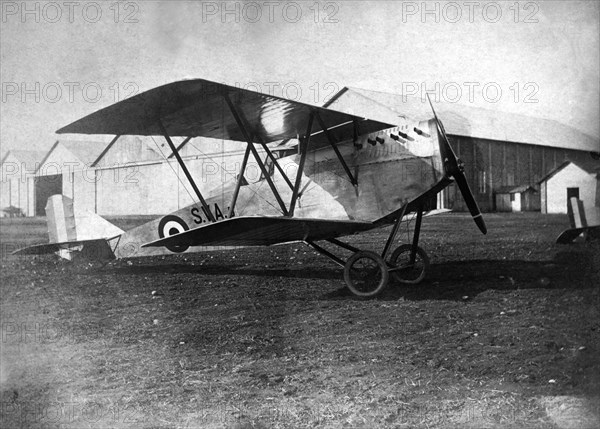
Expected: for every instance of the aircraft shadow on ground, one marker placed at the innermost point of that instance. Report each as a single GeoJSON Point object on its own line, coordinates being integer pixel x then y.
{"type": "Point", "coordinates": [445, 281]}
{"type": "Point", "coordinates": [460, 279]}
{"type": "Point", "coordinates": [295, 271]}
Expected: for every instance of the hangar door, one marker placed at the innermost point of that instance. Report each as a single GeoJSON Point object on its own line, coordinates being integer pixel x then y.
{"type": "Point", "coordinates": [46, 186]}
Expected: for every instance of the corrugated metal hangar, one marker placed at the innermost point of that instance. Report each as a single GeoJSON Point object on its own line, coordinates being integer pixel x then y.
{"type": "Point", "coordinates": [139, 176]}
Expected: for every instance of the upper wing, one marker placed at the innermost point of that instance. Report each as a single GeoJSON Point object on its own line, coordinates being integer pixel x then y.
{"type": "Point", "coordinates": [193, 108]}
{"type": "Point", "coordinates": [261, 231]}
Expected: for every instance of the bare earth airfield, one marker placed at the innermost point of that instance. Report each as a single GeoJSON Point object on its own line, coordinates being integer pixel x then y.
{"type": "Point", "coordinates": [504, 332]}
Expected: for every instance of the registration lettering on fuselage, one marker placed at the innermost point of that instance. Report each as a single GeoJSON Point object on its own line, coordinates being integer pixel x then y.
{"type": "Point", "coordinates": [201, 216]}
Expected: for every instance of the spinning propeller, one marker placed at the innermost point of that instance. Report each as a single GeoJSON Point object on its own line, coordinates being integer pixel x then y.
{"type": "Point", "coordinates": [455, 169]}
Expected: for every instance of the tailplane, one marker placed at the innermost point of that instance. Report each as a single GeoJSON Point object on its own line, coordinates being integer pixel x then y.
{"type": "Point", "coordinates": [71, 229]}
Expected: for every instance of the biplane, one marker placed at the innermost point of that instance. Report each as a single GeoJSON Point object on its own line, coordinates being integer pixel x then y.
{"type": "Point", "coordinates": [347, 174]}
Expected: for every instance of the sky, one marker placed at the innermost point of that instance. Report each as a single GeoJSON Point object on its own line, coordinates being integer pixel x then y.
{"type": "Point", "coordinates": [60, 61]}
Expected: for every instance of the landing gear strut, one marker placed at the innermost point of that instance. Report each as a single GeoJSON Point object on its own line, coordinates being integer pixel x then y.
{"type": "Point", "coordinates": [409, 262]}
{"type": "Point", "coordinates": [367, 274]}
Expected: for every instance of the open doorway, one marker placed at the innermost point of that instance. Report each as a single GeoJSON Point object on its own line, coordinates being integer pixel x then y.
{"type": "Point", "coordinates": [45, 187]}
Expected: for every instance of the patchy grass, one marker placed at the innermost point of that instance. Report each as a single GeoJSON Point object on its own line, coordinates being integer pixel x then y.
{"type": "Point", "coordinates": [269, 337]}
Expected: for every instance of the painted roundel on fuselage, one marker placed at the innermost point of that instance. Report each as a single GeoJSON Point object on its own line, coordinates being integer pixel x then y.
{"type": "Point", "coordinates": [171, 225]}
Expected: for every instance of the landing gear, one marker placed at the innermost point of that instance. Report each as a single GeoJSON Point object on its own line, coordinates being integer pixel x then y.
{"type": "Point", "coordinates": [406, 268]}
{"type": "Point", "coordinates": [367, 274]}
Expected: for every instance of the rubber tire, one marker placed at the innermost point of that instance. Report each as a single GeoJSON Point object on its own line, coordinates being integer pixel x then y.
{"type": "Point", "coordinates": [383, 282]}
{"type": "Point", "coordinates": [420, 253]}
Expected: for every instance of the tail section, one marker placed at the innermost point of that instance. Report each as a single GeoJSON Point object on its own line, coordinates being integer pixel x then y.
{"type": "Point", "coordinates": [71, 229]}
{"type": "Point", "coordinates": [585, 222]}
{"type": "Point", "coordinates": [67, 222]}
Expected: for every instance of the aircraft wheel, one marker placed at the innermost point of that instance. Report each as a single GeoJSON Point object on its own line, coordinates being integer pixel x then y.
{"type": "Point", "coordinates": [366, 274]}
{"type": "Point", "coordinates": [405, 272]}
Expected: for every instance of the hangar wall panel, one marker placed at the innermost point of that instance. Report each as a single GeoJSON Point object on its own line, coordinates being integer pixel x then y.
{"type": "Point", "coordinates": [522, 165]}
{"type": "Point", "coordinates": [156, 188]}
{"type": "Point", "coordinates": [136, 189]}
{"type": "Point", "coordinates": [497, 166]}
{"type": "Point", "coordinates": [511, 165]}
{"type": "Point", "coordinates": [537, 164]}
{"type": "Point", "coordinates": [84, 189]}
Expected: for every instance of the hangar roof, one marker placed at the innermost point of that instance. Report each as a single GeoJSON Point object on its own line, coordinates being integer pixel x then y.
{"type": "Point", "coordinates": [86, 151]}
{"type": "Point", "coordinates": [31, 158]}
{"type": "Point", "coordinates": [128, 149]}
{"type": "Point", "coordinates": [463, 120]}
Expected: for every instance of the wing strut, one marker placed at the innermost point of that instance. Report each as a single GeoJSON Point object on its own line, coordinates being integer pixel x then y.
{"type": "Point", "coordinates": [106, 149]}
{"type": "Point", "coordinates": [249, 140]}
{"type": "Point", "coordinates": [181, 145]}
{"type": "Point", "coordinates": [274, 160]}
{"type": "Point", "coordinates": [186, 172]}
{"type": "Point", "coordinates": [240, 180]}
{"type": "Point", "coordinates": [303, 146]}
{"type": "Point", "coordinates": [335, 148]}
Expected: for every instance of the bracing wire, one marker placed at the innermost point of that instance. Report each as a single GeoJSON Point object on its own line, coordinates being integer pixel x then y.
{"type": "Point", "coordinates": [255, 192]}
{"type": "Point", "coordinates": [177, 175]}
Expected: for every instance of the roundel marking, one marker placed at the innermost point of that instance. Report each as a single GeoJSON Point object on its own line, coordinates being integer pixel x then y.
{"type": "Point", "coordinates": [171, 225]}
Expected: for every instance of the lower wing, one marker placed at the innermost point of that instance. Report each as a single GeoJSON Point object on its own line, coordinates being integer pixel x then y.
{"type": "Point", "coordinates": [262, 231]}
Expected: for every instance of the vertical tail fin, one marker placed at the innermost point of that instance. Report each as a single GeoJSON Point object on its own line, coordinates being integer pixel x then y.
{"type": "Point", "coordinates": [69, 224]}
{"type": "Point", "coordinates": [576, 213]}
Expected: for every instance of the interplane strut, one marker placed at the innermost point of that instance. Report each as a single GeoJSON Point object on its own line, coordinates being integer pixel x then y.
{"type": "Point", "coordinates": [240, 180]}
{"type": "Point", "coordinates": [186, 172]}
{"type": "Point", "coordinates": [181, 145]}
{"type": "Point", "coordinates": [248, 139]}
{"type": "Point", "coordinates": [303, 144]}
{"type": "Point", "coordinates": [335, 149]}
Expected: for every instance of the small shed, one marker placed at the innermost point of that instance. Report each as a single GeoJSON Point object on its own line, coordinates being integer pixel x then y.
{"type": "Point", "coordinates": [517, 199]}
{"type": "Point", "coordinates": [570, 179]}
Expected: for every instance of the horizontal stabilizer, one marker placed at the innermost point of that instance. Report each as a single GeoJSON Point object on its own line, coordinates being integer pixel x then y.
{"type": "Point", "coordinates": [93, 249]}
{"type": "Point", "coordinates": [569, 235]}
{"type": "Point", "coordinates": [261, 231]}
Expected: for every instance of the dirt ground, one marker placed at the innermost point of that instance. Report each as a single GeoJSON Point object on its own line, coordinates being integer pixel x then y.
{"type": "Point", "coordinates": [504, 332]}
